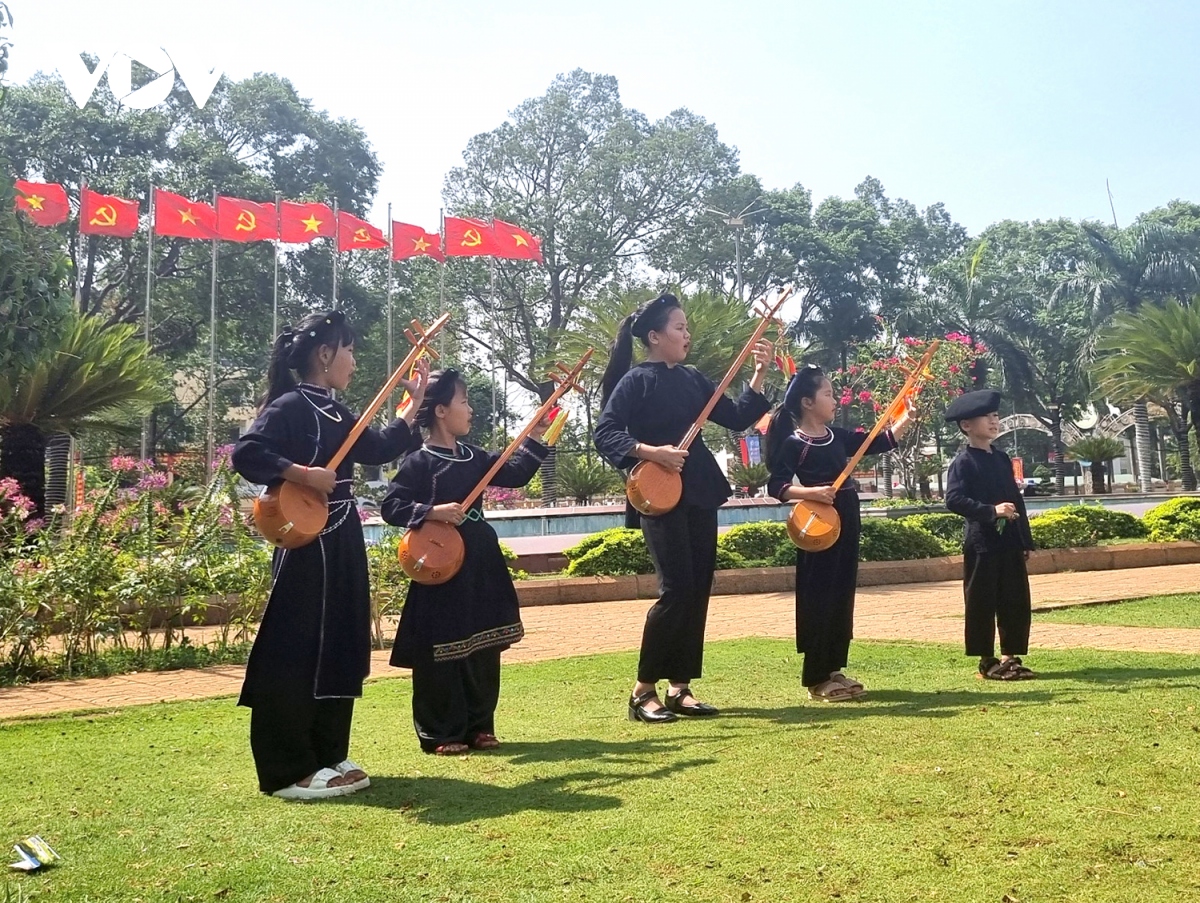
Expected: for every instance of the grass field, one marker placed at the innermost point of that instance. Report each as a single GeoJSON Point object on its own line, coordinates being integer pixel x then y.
{"type": "Point", "coordinates": [1083, 785]}
{"type": "Point", "coordinates": [1156, 611]}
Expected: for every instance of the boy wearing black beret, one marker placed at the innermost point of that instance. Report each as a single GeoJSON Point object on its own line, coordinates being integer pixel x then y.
{"type": "Point", "coordinates": [997, 542]}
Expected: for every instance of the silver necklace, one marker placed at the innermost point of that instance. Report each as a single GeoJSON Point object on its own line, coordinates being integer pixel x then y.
{"type": "Point", "coordinates": [336, 417]}
{"type": "Point", "coordinates": [437, 454]}
{"type": "Point", "coordinates": [814, 440]}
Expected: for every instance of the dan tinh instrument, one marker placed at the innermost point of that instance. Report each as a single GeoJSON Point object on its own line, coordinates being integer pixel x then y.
{"type": "Point", "coordinates": [816, 526]}
{"type": "Point", "coordinates": [290, 515]}
{"type": "Point", "coordinates": [433, 552]}
{"type": "Point", "coordinates": [654, 489]}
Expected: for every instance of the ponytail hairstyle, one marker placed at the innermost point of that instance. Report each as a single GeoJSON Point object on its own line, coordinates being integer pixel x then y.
{"type": "Point", "coordinates": [442, 386]}
{"type": "Point", "coordinates": [291, 355]}
{"type": "Point", "coordinates": [804, 384]}
{"type": "Point", "coordinates": [650, 317]}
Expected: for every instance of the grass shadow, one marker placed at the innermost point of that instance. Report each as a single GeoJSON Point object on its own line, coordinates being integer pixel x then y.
{"type": "Point", "coordinates": [439, 800]}
{"type": "Point", "coordinates": [892, 703]}
{"type": "Point", "coordinates": [1121, 675]}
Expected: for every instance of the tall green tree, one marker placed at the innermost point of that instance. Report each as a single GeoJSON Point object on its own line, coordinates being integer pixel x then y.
{"type": "Point", "coordinates": [1154, 353]}
{"type": "Point", "coordinates": [601, 185]}
{"type": "Point", "coordinates": [1125, 269]}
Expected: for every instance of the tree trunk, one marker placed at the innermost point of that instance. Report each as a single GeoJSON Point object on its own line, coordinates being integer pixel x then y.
{"type": "Point", "coordinates": [885, 470]}
{"type": "Point", "coordinates": [1060, 476]}
{"type": "Point", "coordinates": [1141, 436]}
{"type": "Point", "coordinates": [58, 470]}
{"type": "Point", "coordinates": [1186, 473]}
{"type": "Point", "coordinates": [23, 457]}
{"type": "Point", "coordinates": [1098, 485]}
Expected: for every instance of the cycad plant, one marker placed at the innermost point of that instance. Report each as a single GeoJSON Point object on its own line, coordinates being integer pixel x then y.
{"type": "Point", "coordinates": [93, 375]}
{"type": "Point", "coordinates": [1154, 353]}
{"type": "Point", "coordinates": [1098, 450]}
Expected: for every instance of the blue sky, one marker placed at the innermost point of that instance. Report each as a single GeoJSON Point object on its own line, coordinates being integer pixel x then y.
{"type": "Point", "coordinates": [1000, 110]}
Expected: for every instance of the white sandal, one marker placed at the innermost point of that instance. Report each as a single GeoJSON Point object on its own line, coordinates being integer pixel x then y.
{"type": "Point", "coordinates": [318, 788]}
{"type": "Point", "coordinates": [349, 765]}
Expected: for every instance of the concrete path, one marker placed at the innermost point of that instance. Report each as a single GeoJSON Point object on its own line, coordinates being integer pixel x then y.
{"type": "Point", "coordinates": [928, 612]}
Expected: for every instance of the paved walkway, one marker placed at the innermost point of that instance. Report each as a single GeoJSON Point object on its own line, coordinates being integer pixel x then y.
{"type": "Point", "coordinates": [927, 612]}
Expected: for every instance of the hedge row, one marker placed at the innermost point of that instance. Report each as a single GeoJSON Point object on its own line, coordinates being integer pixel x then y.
{"type": "Point", "coordinates": [622, 551]}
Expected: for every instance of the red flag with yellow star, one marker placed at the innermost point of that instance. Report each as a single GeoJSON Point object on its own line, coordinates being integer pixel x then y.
{"type": "Point", "coordinates": [471, 238]}
{"type": "Point", "coordinates": [43, 202]}
{"type": "Point", "coordinates": [354, 234]}
{"type": "Point", "coordinates": [413, 241]}
{"type": "Point", "coordinates": [517, 244]}
{"type": "Point", "coordinates": [242, 220]}
{"type": "Point", "coordinates": [300, 223]}
{"type": "Point", "coordinates": [106, 214]}
{"type": "Point", "coordinates": [175, 215]}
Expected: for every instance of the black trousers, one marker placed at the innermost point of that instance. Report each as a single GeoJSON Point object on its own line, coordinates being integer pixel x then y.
{"type": "Point", "coordinates": [996, 590]}
{"type": "Point", "coordinates": [293, 736]}
{"type": "Point", "coordinates": [683, 547]}
{"type": "Point", "coordinates": [454, 701]}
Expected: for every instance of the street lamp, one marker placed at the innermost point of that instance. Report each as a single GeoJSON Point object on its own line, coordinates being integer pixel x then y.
{"type": "Point", "coordinates": [737, 222]}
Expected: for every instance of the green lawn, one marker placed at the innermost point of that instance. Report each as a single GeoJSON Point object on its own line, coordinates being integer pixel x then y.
{"type": "Point", "coordinates": [1156, 611]}
{"type": "Point", "coordinates": [1084, 785]}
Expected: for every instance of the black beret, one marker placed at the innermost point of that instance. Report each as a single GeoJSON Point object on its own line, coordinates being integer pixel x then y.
{"type": "Point", "coordinates": [973, 404]}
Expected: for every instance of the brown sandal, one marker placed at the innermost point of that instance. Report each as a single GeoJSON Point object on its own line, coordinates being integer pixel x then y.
{"type": "Point", "coordinates": [484, 741]}
{"type": "Point", "coordinates": [452, 749]}
{"type": "Point", "coordinates": [830, 691]}
{"type": "Point", "coordinates": [856, 689]}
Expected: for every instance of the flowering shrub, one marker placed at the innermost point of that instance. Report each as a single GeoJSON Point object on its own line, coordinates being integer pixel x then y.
{"type": "Point", "coordinates": [141, 553]}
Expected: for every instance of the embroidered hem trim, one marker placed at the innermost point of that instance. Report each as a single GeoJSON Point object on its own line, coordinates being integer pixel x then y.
{"type": "Point", "coordinates": [497, 636]}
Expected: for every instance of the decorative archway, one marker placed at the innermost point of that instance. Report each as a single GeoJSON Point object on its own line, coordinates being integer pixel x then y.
{"type": "Point", "coordinates": [1014, 422]}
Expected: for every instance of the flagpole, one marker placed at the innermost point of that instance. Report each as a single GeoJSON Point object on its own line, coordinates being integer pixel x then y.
{"type": "Point", "coordinates": [146, 325]}
{"type": "Point", "coordinates": [79, 250]}
{"type": "Point", "coordinates": [442, 277]}
{"type": "Point", "coordinates": [336, 236]}
{"type": "Point", "coordinates": [275, 299]}
{"type": "Point", "coordinates": [210, 443]}
{"type": "Point", "coordinates": [492, 308]}
{"type": "Point", "coordinates": [391, 255]}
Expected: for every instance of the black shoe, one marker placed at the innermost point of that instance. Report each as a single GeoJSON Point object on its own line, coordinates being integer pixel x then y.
{"type": "Point", "coordinates": [698, 709]}
{"type": "Point", "coordinates": [638, 711]}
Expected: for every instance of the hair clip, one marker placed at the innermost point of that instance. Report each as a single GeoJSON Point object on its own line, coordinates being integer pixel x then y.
{"type": "Point", "coordinates": [313, 333]}
{"type": "Point", "coordinates": [328, 322]}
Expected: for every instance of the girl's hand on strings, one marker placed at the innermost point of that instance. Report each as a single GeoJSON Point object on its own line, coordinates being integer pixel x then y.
{"type": "Point", "coordinates": [321, 479]}
{"type": "Point", "coordinates": [668, 456]}
{"type": "Point", "coordinates": [902, 422]}
{"type": "Point", "coordinates": [825, 494]}
{"type": "Point", "coordinates": [447, 513]}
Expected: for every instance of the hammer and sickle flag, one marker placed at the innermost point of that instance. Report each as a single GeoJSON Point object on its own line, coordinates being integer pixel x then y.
{"type": "Point", "coordinates": [43, 202]}
{"type": "Point", "coordinates": [242, 220]}
{"type": "Point", "coordinates": [177, 216]}
{"type": "Point", "coordinates": [413, 241]}
{"type": "Point", "coordinates": [354, 234]}
{"type": "Point", "coordinates": [104, 214]}
{"type": "Point", "coordinates": [467, 237]}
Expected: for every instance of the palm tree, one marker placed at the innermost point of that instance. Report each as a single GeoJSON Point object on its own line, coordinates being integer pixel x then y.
{"type": "Point", "coordinates": [93, 376]}
{"type": "Point", "coordinates": [1127, 269]}
{"type": "Point", "coordinates": [1154, 354]}
{"type": "Point", "coordinates": [1098, 450]}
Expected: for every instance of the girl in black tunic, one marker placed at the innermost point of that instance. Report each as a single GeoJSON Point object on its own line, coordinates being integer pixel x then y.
{"type": "Point", "coordinates": [802, 444]}
{"type": "Point", "coordinates": [451, 635]}
{"type": "Point", "coordinates": [646, 411]}
{"type": "Point", "coordinates": [313, 648]}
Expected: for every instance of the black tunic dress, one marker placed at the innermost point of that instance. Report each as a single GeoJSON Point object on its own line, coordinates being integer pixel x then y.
{"type": "Point", "coordinates": [477, 608]}
{"type": "Point", "coordinates": [826, 581]}
{"type": "Point", "coordinates": [656, 405]}
{"type": "Point", "coordinates": [315, 635]}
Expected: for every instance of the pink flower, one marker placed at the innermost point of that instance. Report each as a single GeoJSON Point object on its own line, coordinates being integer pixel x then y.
{"type": "Point", "coordinates": [847, 398]}
{"type": "Point", "coordinates": [953, 368]}
{"type": "Point", "coordinates": [910, 341]}
{"type": "Point", "coordinates": [152, 480]}
{"type": "Point", "coordinates": [124, 463]}
{"type": "Point", "coordinates": [864, 396]}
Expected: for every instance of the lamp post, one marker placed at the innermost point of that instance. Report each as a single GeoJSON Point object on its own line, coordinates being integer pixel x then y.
{"type": "Point", "coordinates": [737, 221]}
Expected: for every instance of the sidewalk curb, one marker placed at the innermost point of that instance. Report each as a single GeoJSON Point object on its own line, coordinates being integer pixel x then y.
{"type": "Point", "coordinates": [571, 590]}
